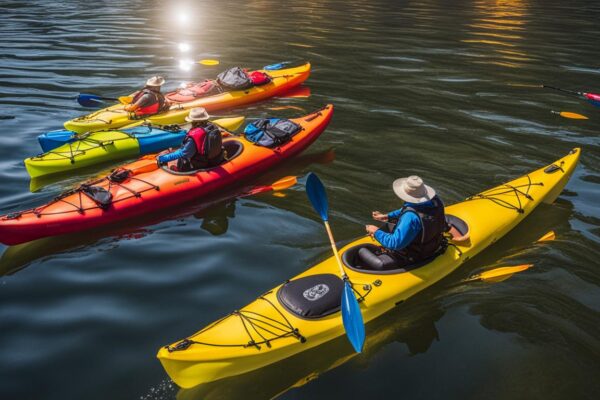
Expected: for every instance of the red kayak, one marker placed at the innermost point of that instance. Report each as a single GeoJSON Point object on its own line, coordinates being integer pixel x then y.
{"type": "Point", "coordinates": [142, 187]}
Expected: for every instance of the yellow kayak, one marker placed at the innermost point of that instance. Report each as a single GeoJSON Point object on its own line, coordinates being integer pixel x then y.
{"type": "Point", "coordinates": [115, 116]}
{"type": "Point", "coordinates": [279, 323]}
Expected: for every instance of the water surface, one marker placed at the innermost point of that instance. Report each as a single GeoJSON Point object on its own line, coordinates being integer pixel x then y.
{"type": "Point", "coordinates": [441, 89]}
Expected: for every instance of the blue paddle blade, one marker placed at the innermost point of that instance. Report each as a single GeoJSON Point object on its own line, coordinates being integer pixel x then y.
{"type": "Point", "coordinates": [89, 100]}
{"type": "Point", "coordinates": [275, 67]}
{"type": "Point", "coordinates": [594, 103]}
{"type": "Point", "coordinates": [317, 196]}
{"type": "Point", "coordinates": [352, 317]}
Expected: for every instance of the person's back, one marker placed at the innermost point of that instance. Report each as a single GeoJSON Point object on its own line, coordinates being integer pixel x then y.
{"type": "Point", "coordinates": [209, 146]}
{"type": "Point", "coordinates": [149, 100]}
{"type": "Point", "coordinates": [202, 147]}
{"type": "Point", "coordinates": [418, 234]}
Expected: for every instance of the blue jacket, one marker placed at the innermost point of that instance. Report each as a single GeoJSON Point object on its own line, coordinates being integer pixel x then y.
{"type": "Point", "coordinates": [408, 227]}
{"type": "Point", "coordinates": [187, 150]}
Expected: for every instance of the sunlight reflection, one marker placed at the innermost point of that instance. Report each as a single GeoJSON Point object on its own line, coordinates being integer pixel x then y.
{"type": "Point", "coordinates": [495, 30]}
{"type": "Point", "coordinates": [186, 64]}
{"type": "Point", "coordinates": [182, 17]}
{"type": "Point", "coordinates": [183, 47]}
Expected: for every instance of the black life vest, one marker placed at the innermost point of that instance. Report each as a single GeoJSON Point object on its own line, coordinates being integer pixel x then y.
{"type": "Point", "coordinates": [431, 241]}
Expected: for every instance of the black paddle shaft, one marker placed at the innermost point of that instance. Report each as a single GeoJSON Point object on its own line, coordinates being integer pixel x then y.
{"type": "Point", "coordinates": [564, 90]}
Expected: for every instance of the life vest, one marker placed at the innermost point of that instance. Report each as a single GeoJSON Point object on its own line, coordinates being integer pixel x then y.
{"type": "Point", "coordinates": [157, 104]}
{"type": "Point", "coordinates": [431, 241]}
{"type": "Point", "coordinates": [209, 145]}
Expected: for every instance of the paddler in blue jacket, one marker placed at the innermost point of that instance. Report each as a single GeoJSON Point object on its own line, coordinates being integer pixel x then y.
{"type": "Point", "coordinates": [202, 147]}
{"type": "Point", "coordinates": [418, 234]}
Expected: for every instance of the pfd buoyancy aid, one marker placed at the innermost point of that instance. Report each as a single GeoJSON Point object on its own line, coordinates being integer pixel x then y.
{"type": "Point", "coordinates": [209, 145]}
{"type": "Point", "coordinates": [430, 241]}
{"type": "Point", "coordinates": [155, 107]}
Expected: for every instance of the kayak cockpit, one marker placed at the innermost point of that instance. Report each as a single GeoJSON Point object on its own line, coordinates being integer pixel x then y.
{"type": "Point", "coordinates": [365, 257]}
{"type": "Point", "coordinates": [232, 149]}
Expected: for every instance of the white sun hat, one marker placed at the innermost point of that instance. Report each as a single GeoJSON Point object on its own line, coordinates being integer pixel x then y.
{"type": "Point", "coordinates": [155, 81]}
{"type": "Point", "coordinates": [197, 114]}
{"type": "Point", "coordinates": [413, 190]}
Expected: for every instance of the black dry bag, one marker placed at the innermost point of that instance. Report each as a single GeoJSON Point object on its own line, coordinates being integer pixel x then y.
{"type": "Point", "coordinates": [234, 79]}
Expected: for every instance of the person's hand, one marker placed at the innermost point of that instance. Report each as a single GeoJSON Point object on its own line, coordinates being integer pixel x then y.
{"type": "Point", "coordinates": [159, 162]}
{"type": "Point", "coordinates": [379, 216]}
{"type": "Point", "coordinates": [371, 229]}
{"type": "Point", "coordinates": [129, 107]}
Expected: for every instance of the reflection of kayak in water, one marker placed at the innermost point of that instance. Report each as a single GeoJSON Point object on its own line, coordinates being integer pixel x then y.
{"type": "Point", "coordinates": [141, 187]}
{"type": "Point", "coordinates": [283, 322]}
{"type": "Point", "coordinates": [183, 100]}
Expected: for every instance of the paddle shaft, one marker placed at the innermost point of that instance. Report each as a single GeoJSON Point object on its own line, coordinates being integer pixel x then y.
{"type": "Point", "coordinates": [564, 90]}
{"type": "Point", "coordinates": [335, 250]}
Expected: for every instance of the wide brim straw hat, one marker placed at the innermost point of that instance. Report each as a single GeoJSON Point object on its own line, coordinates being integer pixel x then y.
{"type": "Point", "coordinates": [197, 114]}
{"type": "Point", "coordinates": [413, 190]}
{"type": "Point", "coordinates": [155, 81]}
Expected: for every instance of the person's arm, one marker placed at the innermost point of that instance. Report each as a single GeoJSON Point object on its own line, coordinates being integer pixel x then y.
{"type": "Point", "coordinates": [395, 213]}
{"type": "Point", "coordinates": [187, 150]}
{"type": "Point", "coordinates": [165, 158]}
{"type": "Point", "coordinates": [408, 228]}
{"type": "Point", "coordinates": [143, 101]}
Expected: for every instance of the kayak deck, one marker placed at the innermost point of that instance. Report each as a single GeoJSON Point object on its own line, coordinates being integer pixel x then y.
{"type": "Point", "coordinates": [264, 331]}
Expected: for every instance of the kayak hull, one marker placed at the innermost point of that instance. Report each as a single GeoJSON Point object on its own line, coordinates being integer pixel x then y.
{"type": "Point", "coordinates": [106, 146]}
{"type": "Point", "coordinates": [151, 188]}
{"type": "Point", "coordinates": [225, 348]}
{"type": "Point", "coordinates": [115, 116]}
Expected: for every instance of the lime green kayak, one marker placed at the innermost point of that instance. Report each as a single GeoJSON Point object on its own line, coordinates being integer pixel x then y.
{"type": "Point", "coordinates": [105, 146]}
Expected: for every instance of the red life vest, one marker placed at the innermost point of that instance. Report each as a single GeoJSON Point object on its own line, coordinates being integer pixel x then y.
{"type": "Point", "coordinates": [198, 135]}
{"type": "Point", "coordinates": [156, 106]}
{"type": "Point", "coordinates": [209, 144]}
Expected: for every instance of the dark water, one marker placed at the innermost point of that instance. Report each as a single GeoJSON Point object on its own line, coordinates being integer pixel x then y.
{"type": "Point", "coordinates": [443, 89]}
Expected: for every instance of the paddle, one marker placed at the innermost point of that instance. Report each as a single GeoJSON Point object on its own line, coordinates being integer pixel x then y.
{"type": "Point", "coordinates": [503, 273]}
{"type": "Point", "coordinates": [92, 100]}
{"type": "Point", "coordinates": [592, 98]}
{"type": "Point", "coordinates": [351, 314]}
{"type": "Point", "coordinates": [498, 274]}
{"type": "Point", "coordinates": [280, 185]}
{"type": "Point", "coordinates": [570, 115]}
{"type": "Point", "coordinates": [549, 236]}
{"type": "Point", "coordinates": [209, 62]}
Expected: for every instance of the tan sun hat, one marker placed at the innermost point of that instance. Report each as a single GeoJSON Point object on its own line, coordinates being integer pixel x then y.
{"type": "Point", "coordinates": [197, 114]}
{"type": "Point", "coordinates": [413, 190]}
{"type": "Point", "coordinates": [155, 81]}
